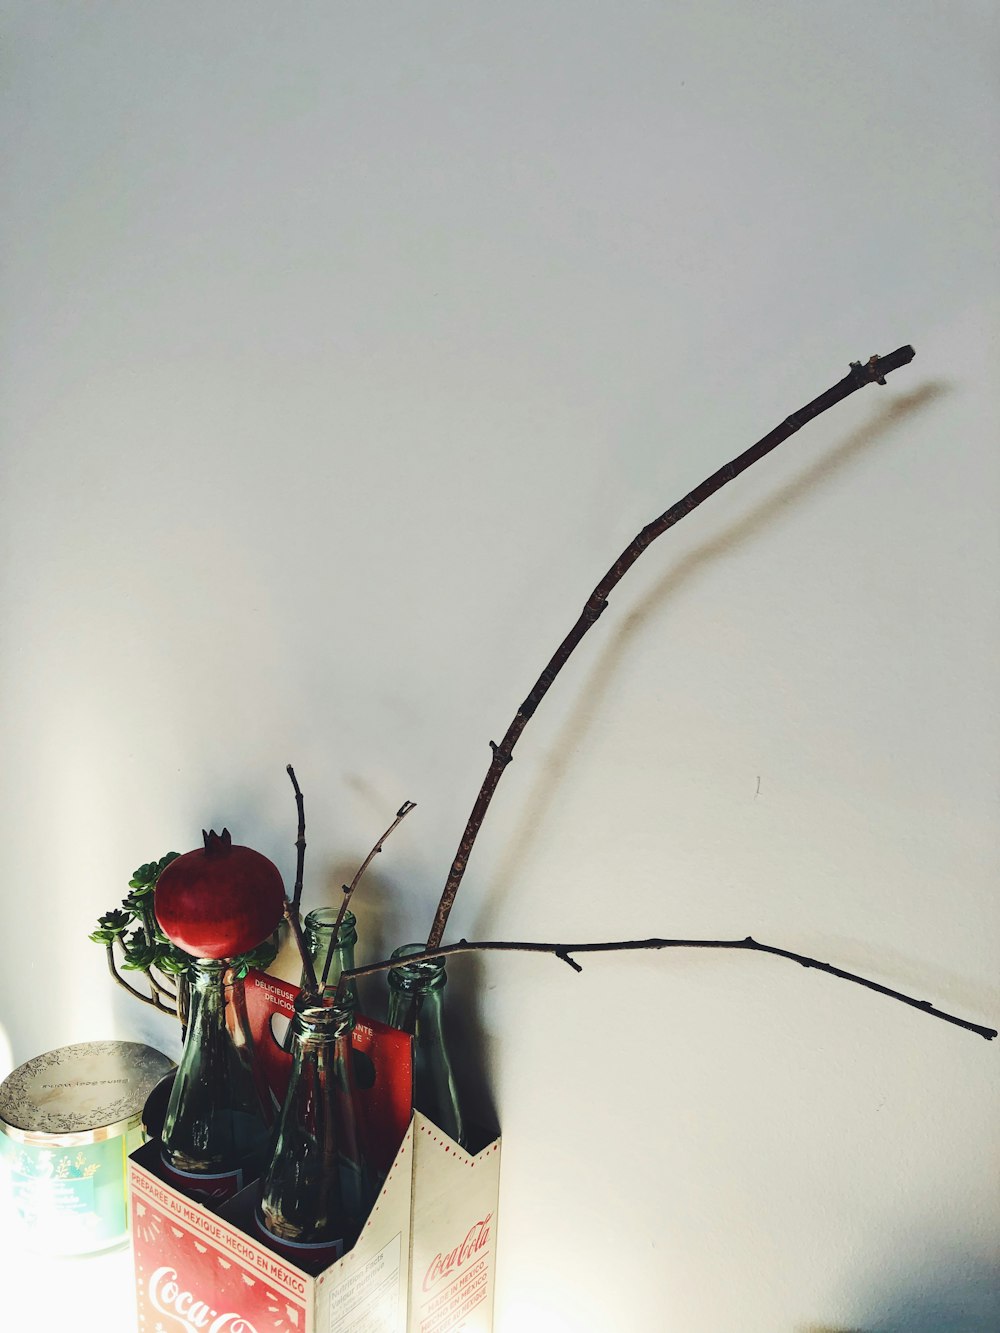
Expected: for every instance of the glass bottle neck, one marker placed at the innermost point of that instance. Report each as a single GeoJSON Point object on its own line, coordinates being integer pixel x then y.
{"type": "Point", "coordinates": [416, 995]}
{"type": "Point", "coordinates": [421, 978]}
{"type": "Point", "coordinates": [416, 991]}
{"type": "Point", "coordinates": [216, 993]}
{"type": "Point", "coordinates": [324, 941]}
{"type": "Point", "coordinates": [407, 1008]}
{"type": "Point", "coordinates": [319, 925]}
{"type": "Point", "coordinates": [209, 973]}
{"type": "Point", "coordinates": [315, 1024]}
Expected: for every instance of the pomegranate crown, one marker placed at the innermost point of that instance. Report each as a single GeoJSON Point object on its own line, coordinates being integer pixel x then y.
{"type": "Point", "coordinates": [217, 844]}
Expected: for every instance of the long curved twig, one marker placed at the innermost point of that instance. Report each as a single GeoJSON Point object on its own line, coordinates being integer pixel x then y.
{"type": "Point", "coordinates": [401, 814]}
{"type": "Point", "coordinates": [291, 910]}
{"type": "Point", "coordinates": [565, 952]}
{"type": "Point", "coordinates": [874, 372]}
{"type": "Point", "coordinates": [300, 841]}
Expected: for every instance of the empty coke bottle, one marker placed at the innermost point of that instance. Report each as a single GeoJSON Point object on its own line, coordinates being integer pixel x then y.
{"type": "Point", "coordinates": [318, 1188]}
{"type": "Point", "coordinates": [416, 994]}
{"type": "Point", "coordinates": [219, 1116]}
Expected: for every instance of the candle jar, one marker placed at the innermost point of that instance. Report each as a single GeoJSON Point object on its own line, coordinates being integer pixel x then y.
{"type": "Point", "coordinates": [68, 1121]}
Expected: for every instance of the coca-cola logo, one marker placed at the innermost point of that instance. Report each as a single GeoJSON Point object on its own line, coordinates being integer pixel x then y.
{"type": "Point", "coordinates": [442, 1265]}
{"type": "Point", "coordinates": [195, 1316]}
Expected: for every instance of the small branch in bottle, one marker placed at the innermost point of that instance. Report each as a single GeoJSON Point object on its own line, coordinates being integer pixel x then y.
{"type": "Point", "coordinates": [292, 904]}
{"type": "Point", "coordinates": [872, 372]}
{"type": "Point", "coordinates": [401, 814]}
{"type": "Point", "coordinates": [295, 926]}
{"type": "Point", "coordinates": [300, 841]}
{"type": "Point", "coordinates": [565, 952]}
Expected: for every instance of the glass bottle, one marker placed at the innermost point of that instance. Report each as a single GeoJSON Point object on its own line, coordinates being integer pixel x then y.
{"type": "Point", "coordinates": [416, 994]}
{"type": "Point", "coordinates": [318, 1188]}
{"type": "Point", "coordinates": [318, 932]}
{"type": "Point", "coordinates": [219, 1116]}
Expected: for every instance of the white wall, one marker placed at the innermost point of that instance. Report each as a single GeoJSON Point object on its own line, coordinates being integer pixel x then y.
{"type": "Point", "coordinates": [345, 346]}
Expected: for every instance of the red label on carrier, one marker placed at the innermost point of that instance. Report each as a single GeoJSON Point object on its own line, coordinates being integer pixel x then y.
{"type": "Point", "coordinates": [385, 1097]}
{"type": "Point", "coordinates": [196, 1275]}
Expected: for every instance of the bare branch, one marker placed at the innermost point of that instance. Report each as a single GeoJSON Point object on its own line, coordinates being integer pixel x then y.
{"type": "Point", "coordinates": [300, 841]}
{"type": "Point", "coordinates": [564, 952]}
{"type": "Point", "coordinates": [295, 926]}
{"type": "Point", "coordinates": [292, 904]}
{"type": "Point", "coordinates": [859, 375]}
{"type": "Point", "coordinates": [401, 814]}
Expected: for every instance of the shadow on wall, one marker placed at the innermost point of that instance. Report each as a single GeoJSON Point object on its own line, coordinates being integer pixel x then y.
{"type": "Point", "coordinates": [601, 678]}
{"type": "Point", "coordinates": [380, 907]}
{"type": "Point", "coordinates": [469, 1041]}
{"type": "Point", "coordinates": [960, 1295]}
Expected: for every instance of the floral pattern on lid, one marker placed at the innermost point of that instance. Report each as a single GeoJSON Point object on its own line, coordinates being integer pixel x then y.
{"type": "Point", "coordinates": [82, 1087]}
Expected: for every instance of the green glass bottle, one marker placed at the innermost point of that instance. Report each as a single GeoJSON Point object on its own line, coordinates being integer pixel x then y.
{"type": "Point", "coordinates": [219, 1116]}
{"type": "Point", "coordinates": [416, 995]}
{"type": "Point", "coordinates": [318, 1188]}
{"type": "Point", "coordinates": [318, 931]}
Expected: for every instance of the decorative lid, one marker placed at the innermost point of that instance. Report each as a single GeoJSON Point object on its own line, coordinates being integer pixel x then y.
{"type": "Point", "coordinates": [94, 1085]}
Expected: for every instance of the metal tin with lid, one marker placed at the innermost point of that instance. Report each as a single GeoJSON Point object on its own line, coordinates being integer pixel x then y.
{"type": "Point", "coordinates": [68, 1121]}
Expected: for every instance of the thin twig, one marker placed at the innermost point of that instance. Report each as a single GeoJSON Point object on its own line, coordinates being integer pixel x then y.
{"type": "Point", "coordinates": [295, 926]}
{"type": "Point", "coordinates": [300, 841]}
{"type": "Point", "coordinates": [859, 375]}
{"type": "Point", "coordinates": [565, 952]}
{"type": "Point", "coordinates": [401, 814]}
{"type": "Point", "coordinates": [292, 904]}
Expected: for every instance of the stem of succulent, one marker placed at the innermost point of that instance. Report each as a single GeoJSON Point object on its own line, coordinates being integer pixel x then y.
{"type": "Point", "coordinates": [401, 814]}
{"type": "Point", "coordinates": [874, 372]}
{"type": "Point", "coordinates": [154, 998]}
{"type": "Point", "coordinates": [300, 841]}
{"type": "Point", "coordinates": [162, 987]}
{"type": "Point", "coordinates": [565, 952]}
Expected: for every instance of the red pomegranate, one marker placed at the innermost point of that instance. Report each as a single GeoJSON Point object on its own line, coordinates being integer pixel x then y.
{"type": "Point", "coordinates": [219, 900]}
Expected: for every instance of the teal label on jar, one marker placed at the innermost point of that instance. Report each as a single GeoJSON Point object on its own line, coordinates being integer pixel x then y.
{"type": "Point", "coordinates": [70, 1200]}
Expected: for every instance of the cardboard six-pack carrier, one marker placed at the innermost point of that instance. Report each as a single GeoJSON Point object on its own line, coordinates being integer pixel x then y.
{"type": "Point", "coordinates": [425, 1261]}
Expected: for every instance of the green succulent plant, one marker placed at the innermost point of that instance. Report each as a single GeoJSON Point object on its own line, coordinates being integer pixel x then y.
{"type": "Point", "coordinates": [134, 942]}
